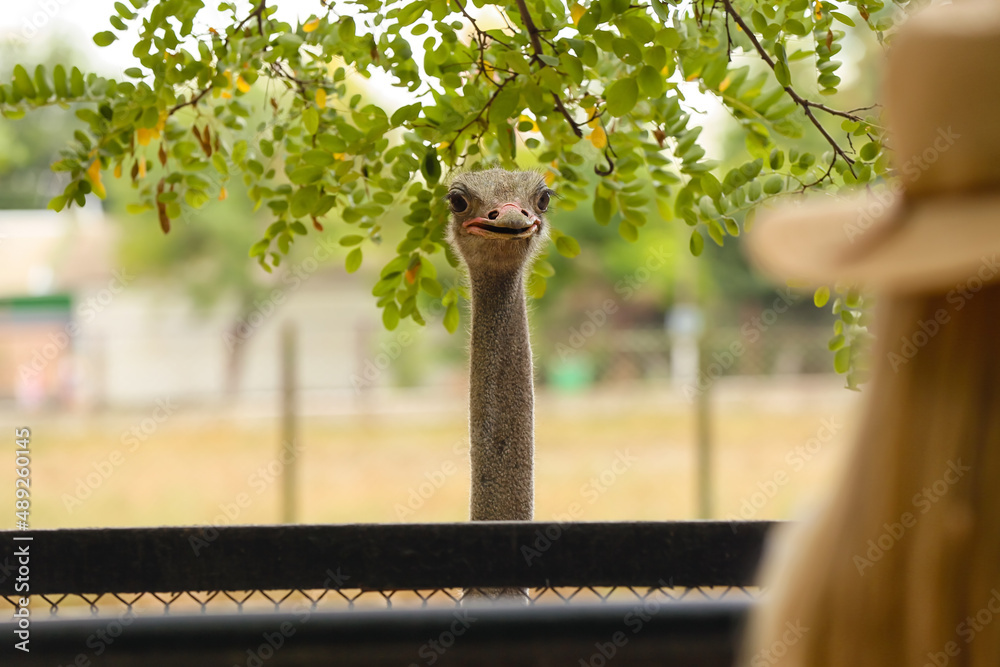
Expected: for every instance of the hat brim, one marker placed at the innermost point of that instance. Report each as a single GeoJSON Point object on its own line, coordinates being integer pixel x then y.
{"type": "Point", "coordinates": [884, 242]}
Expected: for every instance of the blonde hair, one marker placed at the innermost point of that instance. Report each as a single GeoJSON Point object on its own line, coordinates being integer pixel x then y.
{"type": "Point", "coordinates": [902, 567]}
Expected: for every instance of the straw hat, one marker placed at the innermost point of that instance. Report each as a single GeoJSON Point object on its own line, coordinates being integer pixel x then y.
{"type": "Point", "coordinates": [938, 224]}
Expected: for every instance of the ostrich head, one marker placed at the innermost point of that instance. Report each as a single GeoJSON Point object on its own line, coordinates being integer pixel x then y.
{"type": "Point", "coordinates": [498, 223]}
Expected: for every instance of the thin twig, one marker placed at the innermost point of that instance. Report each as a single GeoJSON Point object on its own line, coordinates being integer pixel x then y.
{"type": "Point", "coordinates": [257, 12]}
{"type": "Point", "coordinates": [565, 112]}
{"type": "Point", "coordinates": [806, 105]}
{"type": "Point", "coordinates": [529, 25]}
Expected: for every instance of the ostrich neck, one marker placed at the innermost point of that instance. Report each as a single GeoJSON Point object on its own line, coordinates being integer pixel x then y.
{"type": "Point", "coordinates": [501, 402]}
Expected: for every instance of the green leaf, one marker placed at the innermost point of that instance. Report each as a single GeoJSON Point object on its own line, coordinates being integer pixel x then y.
{"type": "Point", "coordinates": [776, 159]}
{"type": "Point", "coordinates": [621, 96]}
{"type": "Point", "coordinates": [306, 174]}
{"type": "Point", "coordinates": [195, 198]}
{"type": "Point", "coordinates": [651, 82]}
{"type": "Point", "coordinates": [782, 74]}
{"type": "Point", "coordinates": [711, 186]}
{"type": "Point", "coordinates": [42, 84]}
{"type": "Point", "coordinates": [104, 38]}
{"type": "Point", "coordinates": [310, 120]}
{"type": "Point", "coordinates": [628, 231]}
{"type": "Point", "coordinates": [774, 185]}
{"type": "Point", "coordinates": [22, 82]}
{"type": "Point", "coordinates": [602, 210]}
{"type": "Point", "coordinates": [536, 286]}
{"type": "Point", "coordinates": [390, 316]}
{"type": "Point", "coordinates": [220, 164]}
{"type": "Point", "coordinates": [77, 87]}
{"type": "Point", "coordinates": [431, 168]}
{"type": "Point", "coordinates": [505, 105]}
{"type": "Point", "coordinates": [821, 296]}
{"type": "Point", "coordinates": [351, 239]}
{"type": "Point", "coordinates": [239, 151]}
{"type": "Point", "coordinates": [567, 246]}
{"type": "Point", "coordinates": [869, 151]}
{"type": "Point", "coordinates": [318, 157]}
{"type": "Point", "coordinates": [794, 27]}
{"type": "Point", "coordinates": [544, 269]}
{"type": "Point", "coordinates": [697, 243]}
{"type": "Point", "coordinates": [842, 360]}
{"type": "Point", "coordinates": [431, 286]}
{"type": "Point", "coordinates": [638, 28]}
{"type": "Point", "coordinates": [846, 20]}
{"type": "Point", "coordinates": [353, 262]}
{"type": "Point", "coordinates": [411, 12]}
{"type": "Point", "coordinates": [304, 200]}
{"type": "Point", "coordinates": [451, 318]}
{"type": "Point", "coordinates": [406, 114]}
{"type": "Point", "coordinates": [60, 80]}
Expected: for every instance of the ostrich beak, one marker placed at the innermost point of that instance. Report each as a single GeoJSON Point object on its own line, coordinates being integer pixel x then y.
{"type": "Point", "coordinates": [508, 221]}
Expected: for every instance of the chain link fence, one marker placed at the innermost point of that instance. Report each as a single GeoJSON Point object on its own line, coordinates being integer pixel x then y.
{"type": "Point", "coordinates": [73, 605]}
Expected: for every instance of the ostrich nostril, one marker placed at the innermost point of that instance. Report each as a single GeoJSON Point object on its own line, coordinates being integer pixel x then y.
{"type": "Point", "coordinates": [524, 213]}
{"type": "Point", "coordinates": [492, 215]}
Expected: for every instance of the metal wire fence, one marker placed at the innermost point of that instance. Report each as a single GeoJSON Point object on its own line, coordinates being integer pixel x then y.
{"type": "Point", "coordinates": [73, 605]}
{"type": "Point", "coordinates": [373, 595]}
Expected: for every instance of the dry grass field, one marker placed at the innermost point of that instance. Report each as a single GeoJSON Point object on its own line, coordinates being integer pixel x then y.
{"type": "Point", "coordinates": [626, 454]}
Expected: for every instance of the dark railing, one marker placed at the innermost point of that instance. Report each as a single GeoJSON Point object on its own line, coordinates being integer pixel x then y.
{"type": "Point", "coordinates": [663, 593]}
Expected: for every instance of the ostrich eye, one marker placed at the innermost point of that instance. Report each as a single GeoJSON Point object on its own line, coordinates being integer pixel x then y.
{"type": "Point", "coordinates": [543, 202]}
{"type": "Point", "coordinates": [458, 202]}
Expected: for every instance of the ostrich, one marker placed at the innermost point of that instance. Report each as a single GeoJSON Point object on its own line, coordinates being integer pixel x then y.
{"type": "Point", "coordinates": [497, 229]}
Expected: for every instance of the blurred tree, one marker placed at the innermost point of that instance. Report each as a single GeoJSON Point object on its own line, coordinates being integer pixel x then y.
{"type": "Point", "coordinates": [32, 145]}
{"type": "Point", "coordinates": [206, 257]}
{"type": "Point", "coordinates": [582, 87]}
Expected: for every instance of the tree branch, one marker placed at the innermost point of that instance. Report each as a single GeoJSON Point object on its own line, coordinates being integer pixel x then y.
{"type": "Point", "coordinates": [479, 31]}
{"type": "Point", "coordinates": [806, 105]}
{"type": "Point", "coordinates": [258, 12]}
{"type": "Point", "coordinates": [536, 45]}
{"type": "Point", "coordinates": [565, 112]}
{"type": "Point", "coordinates": [529, 25]}
{"type": "Point", "coordinates": [191, 102]}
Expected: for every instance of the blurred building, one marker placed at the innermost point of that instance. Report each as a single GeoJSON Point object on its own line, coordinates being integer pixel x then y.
{"type": "Point", "coordinates": [77, 331]}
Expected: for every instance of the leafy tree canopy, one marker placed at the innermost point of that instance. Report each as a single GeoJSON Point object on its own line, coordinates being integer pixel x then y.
{"type": "Point", "coordinates": [578, 86]}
